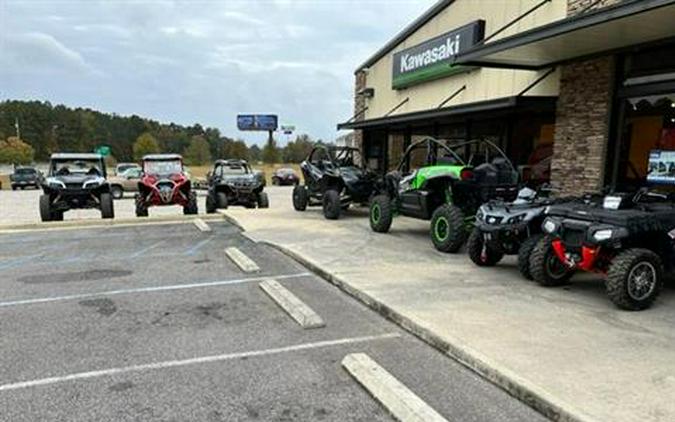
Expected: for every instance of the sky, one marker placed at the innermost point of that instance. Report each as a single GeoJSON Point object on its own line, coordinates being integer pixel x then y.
{"type": "Point", "coordinates": [198, 61]}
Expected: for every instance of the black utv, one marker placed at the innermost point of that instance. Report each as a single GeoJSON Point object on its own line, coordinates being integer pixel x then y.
{"type": "Point", "coordinates": [444, 181]}
{"type": "Point", "coordinates": [233, 182]}
{"type": "Point", "coordinates": [628, 238]}
{"type": "Point", "coordinates": [75, 181]}
{"type": "Point", "coordinates": [335, 177]}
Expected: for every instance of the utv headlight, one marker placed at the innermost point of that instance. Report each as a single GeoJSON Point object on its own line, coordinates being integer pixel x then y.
{"type": "Point", "coordinates": [57, 184]}
{"type": "Point", "coordinates": [517, 218]}
{"type": "Point", "coordinates": [549, 226]}
{"type": "Point", "coordinates": [91, 184]}
{"type": "Point", "coordinates": [603, 234]}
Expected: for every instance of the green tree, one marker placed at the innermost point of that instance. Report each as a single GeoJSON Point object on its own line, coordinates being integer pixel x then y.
{"type": "Point", "coordinates": [145, 144]}
{"type": "Point", "coordinates": [254, 153]}
{"type": "Point", "coordinates": [270, 154]}
{"type": "Point", "coordinates": [15, 151]}
{"type": "Point", "coordinates": [198, 153]}
{"type": "Point", "coordinates": [296, 151]}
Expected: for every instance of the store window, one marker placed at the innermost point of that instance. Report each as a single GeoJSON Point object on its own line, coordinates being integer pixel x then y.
{"type": "Point", "coordinates": [648, 125]}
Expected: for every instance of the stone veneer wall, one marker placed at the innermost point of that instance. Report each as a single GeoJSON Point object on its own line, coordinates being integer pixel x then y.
{"type": "Point", "coordinates": [359, 104]}
{"type": "Point", "coordinates": [582, 119]}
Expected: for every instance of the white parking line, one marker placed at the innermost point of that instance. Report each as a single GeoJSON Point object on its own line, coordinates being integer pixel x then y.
{"type": "Point", "coordinates": [201, 225]}
{"type": "Point", "coordinates": [146, 290]}
{"type": "Point", "coordinates": [246, 264]}
{"type": "Point", "coordinates": [293, 306]}
{"type": "Point", "coordinates": [193, 361]}
{"type": "Point", "coordinates": [402, 403]}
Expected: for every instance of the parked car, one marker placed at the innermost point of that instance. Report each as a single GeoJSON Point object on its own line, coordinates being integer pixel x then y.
{"type": "Point", "coordinates": [123, 167]}
{"type": "Point", "coordinates": [233, 182]}
{"type": "Point", "coordinates": [628, 238]}
{"type": "Point", "coordinates": [334, 178]}
{"type": "Point", "coordinates": [285, 176]}
{"type": "Point", "coordinates": [75, 181]}
{"type": "Point", "coordinates": [24, 177]}
{"type": "Point", "coordinates": [164, 182]}
{"type": "Point", "coordinates": [447, 189]}
{"type": "Point", "coordinates": [127, 181]}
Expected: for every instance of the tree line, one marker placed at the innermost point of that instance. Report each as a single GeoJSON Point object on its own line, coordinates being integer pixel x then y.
{"type": "Point", "coordinates": [44, 129]}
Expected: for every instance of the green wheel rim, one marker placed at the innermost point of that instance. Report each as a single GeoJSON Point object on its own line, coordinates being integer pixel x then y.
{"type": "Point", "coordinates": [441, 228]}
{"type": "Point", "coordinates": [375, 213]}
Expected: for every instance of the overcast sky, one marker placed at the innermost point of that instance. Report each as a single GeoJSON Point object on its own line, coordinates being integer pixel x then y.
{"type": "Point", "coordinates": [197, 61]}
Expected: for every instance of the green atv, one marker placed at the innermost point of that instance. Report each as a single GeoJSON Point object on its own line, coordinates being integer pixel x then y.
{"type": "Point", "coordinates": [447, 189]}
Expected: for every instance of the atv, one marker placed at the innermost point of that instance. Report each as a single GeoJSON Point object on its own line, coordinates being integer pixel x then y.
{"type": "Point", "coordinates": [628, 238]}
{"type": "Point", "coordinates": [233, 182]}
{"type": "Point", "coordinates": [334, 178]}
{"type": "Point", "coordinates": [509, 228]}
{"type": "Point", "coordinates": [446, 189]}
{"type": "Point", "coordinates": [75, 181]}
{"type": "Point", "coordinates": [164, 182]}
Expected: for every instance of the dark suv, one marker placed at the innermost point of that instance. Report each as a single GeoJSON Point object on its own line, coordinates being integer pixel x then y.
{"type": "Point", "coordinates": [75, 181]}
{"type": "Point", "coordinates": [24, 177]}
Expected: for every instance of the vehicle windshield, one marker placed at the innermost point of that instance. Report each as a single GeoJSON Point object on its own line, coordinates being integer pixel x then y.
{"type": "Point", "coordinates": [76, 166]}
{"type": "Point", "coordinates": [234, 169]}
{"type": "Point", "coordinates": [163, 167]}
{"type": "Point", "coordinates": [25, 171]}
{"type": "Point", "coordinates": [121, 168]}
{"type": "Point", "coordinates": [285, 171]}
{"type": "Point", "coordinates": [347, 157]}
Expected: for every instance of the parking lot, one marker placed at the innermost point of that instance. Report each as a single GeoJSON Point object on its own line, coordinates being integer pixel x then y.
{"type": "Point", "coordinates": [155, 323]}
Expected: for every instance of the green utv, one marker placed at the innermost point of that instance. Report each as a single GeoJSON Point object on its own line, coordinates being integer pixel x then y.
{"type": "Point", "coordinates": [447, 188]}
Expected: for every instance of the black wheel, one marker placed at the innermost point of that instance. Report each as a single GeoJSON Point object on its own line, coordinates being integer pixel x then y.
{"type": "Point", "coordinates": [141, 207]}
{"type": "Point", "coordinates": [210, 204]}
{"type": "Point", "coordinates": [57, 216]}
{"type": "Point", "coordinates": [524, 253]}
{"type": "Point", "coordinates": [447, 228]}
{"type": "Point", "coordinates": [263, 200]}
{"type": "Point", "coordinates": [634, 279]}
{"type": "Point", "coordinates": [381, 214]}
{"type": "Point", "coordinates": [481, 254]}
{"type": "Point", "coordinates": [300, 198]}
{"type": "Point", "coordinates": [107, 210]}
{"type": "Point", "coordinates": [45, 208]}
{"type": "Point", "coordinates": [221, 200]}
{"type": "Point", "coordinates": [331, 204]}
{"type": "Point", "coordinates": [14, 188]}
{"type": "Point", "coordinates": [545, 267]}
{"type": "Point", "coordinates": [191, 207]}
{"type": "Point", "coordinates": [117, 192]}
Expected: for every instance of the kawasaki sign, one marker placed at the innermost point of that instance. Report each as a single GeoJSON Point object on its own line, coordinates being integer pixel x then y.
{"type": "Point", "coordinates": [433, 59]}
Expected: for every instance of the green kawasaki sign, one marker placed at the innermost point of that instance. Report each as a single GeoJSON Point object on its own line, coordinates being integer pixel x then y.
{"type": "Point", "coordinates": [433, 59]}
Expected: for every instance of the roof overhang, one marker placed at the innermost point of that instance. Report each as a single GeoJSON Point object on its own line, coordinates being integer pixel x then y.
{"type": "Point", "coordinates": [627, 24]}
{"type": "Point", "coordinates": [504, 104]}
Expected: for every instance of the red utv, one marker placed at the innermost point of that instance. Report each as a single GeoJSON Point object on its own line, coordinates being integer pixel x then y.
{"type": "Point", "coordinates": [164, 182]}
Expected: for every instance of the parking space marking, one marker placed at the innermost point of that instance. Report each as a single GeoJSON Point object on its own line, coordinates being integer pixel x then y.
{"type": "Point", "coordinates": [192, 361]}
{"type": "Point", "coordinates": [201, 225]}
{"type": "Point", "coordinates": [146, 290]}
{"type": "Point", "coordinates": [242, 261]}
{"type": "Point", "coordinates": [194, 249]}
{"type": "Point", "coordinates": [296, 308]}
{"type": "Point", "coordinates": [402, 403]}
{"type": "Point", "coordinates": [142, 251]}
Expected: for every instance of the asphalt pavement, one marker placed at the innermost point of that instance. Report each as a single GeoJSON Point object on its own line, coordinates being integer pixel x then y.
{"type": "Point", "coordinates": [155, 323]}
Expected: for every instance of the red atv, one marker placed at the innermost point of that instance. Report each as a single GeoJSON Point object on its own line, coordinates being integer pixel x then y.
{"type": "Point", "coordinates": [164, 182]}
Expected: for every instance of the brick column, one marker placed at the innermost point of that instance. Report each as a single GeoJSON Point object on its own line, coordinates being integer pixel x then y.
{"type": "Point", "coordinates": [359, 104]}
{"type": "Point", "coordinates": [582, 119]}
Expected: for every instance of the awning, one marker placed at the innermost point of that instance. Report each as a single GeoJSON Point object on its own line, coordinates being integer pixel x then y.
{"type": "Point", "coordinates": [613, 28]}
{"type": "Point", "coordinates": [505, 104]}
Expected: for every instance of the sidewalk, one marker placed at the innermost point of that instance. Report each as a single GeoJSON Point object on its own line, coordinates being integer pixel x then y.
{"type": "Point", "coordinates": [568, 352]}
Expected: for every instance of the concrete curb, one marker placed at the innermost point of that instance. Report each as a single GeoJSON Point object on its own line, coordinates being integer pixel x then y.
{"type": "Point", "coordinates": [292, 305]}
{"type": "Point", "coordinates": [242, 261]}
{"type": "Point", "coordinates": [399, 400]}
{"type": "Point", "coordinates": [533, 396]}
{"type": "Point", "coordinates": [92, 223]}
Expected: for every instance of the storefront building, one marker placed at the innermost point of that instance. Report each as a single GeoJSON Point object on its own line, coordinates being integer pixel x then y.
{"type": "Point", "coordinates": [578, 92]}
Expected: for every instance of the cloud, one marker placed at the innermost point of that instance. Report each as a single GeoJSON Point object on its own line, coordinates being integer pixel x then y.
{"type": "Point", "coordinates": [198, 61]}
